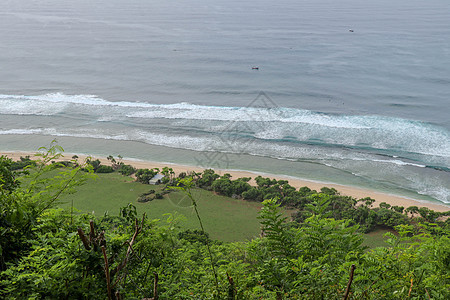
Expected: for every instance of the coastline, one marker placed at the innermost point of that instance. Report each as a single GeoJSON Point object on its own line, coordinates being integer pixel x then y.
{"type": "Point", "coordinates": [346, 190]}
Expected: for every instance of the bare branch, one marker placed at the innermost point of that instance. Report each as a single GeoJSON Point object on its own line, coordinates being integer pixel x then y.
{"type": "Point", "coordinates": [108, 279]}
{"type": "Point", "coordinates": [83, 239]}
{"type": "Point", "coordinates": [347, 291]}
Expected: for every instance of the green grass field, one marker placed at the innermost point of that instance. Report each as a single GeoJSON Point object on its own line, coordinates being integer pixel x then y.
{"type": "Point", "coordinates": [224, 218]}
{"type": "Point", "coordinates": [376, 238]}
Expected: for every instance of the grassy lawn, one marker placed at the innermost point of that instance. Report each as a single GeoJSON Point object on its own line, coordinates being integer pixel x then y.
{"type": "Point", "coordinates": [224, 218]}
{"type": "Point", "coordinates": [376, 238]}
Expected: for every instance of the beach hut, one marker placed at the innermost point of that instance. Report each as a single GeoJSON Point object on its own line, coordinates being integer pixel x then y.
{"type": "Point", "coordinates": [156, 179]}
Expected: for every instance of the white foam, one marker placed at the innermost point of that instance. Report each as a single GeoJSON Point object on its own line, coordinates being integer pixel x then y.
{"type": "Point", "coordinates": [360, 164]}
{"type": "Point", "coordinates": [193, 112]}
{"type": "Point", "coordinates": [388, 161]}
{"type": "Point", "coordinates": [372, 132]}
{"type": "Point", "coordinates": [440, 193]}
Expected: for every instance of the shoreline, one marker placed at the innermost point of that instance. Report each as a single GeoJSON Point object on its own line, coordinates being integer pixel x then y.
{"type": "Point", "coordinates": [296, 182]}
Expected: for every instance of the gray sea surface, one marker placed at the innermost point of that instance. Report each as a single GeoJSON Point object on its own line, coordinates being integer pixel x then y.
{"type": "Point", "coordinates": [352, 92]}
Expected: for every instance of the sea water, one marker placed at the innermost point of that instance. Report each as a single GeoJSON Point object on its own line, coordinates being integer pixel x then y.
{"type": "Point", "coordinates": [351, 92]}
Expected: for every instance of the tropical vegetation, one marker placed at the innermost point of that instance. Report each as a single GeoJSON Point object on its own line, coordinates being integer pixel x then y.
{"type": "Point", "coordinates": [48, 252]}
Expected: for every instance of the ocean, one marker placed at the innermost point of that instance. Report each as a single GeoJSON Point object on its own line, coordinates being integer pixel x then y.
{"type": "Point", "coordinates": [349, 92]}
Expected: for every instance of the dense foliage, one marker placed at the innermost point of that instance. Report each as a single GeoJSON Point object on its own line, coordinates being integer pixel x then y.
{"type": "Point", "coordinates": [50, 253]}
{"type": "Point", "coordinates": [358, 211]}
{"type": "Point", "coordinates": [145, 175]}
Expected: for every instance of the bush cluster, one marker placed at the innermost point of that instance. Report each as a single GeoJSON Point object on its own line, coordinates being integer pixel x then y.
{"type": "Point", "coordinates": [359, 211]}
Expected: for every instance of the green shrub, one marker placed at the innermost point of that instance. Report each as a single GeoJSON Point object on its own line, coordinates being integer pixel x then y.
{"type": "Point", "coordinates": [104, 169]}
{"type": "Point", "coordinates": [22, 163]}
{"type": "Point", "coordinates": [126, 170]}
{"type": "Point", "coordinates": [94, 163]}
{"type": "Point", "coordinates": [145, 175]}
{"type": "Point", "coordinates": [152, 191]}
{"type": "Point", "coordinates": [195, 236]}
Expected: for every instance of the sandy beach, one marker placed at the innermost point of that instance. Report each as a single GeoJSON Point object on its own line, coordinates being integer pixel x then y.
{"type": "Point", "coordinates": [295, 182]}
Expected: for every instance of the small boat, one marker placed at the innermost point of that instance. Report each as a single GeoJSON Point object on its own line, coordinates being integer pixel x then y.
{"type": "Point", "coordinates": [255, 68]}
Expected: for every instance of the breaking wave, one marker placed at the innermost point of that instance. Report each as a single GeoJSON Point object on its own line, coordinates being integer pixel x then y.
{"type": "Point", "coordinates": [348, 142]}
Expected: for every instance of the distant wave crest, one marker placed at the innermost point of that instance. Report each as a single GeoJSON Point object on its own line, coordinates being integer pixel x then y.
{"type": "Point", "coordinates": [413, 154]}
{"type": "Point", "coordinates": [264, 123]}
